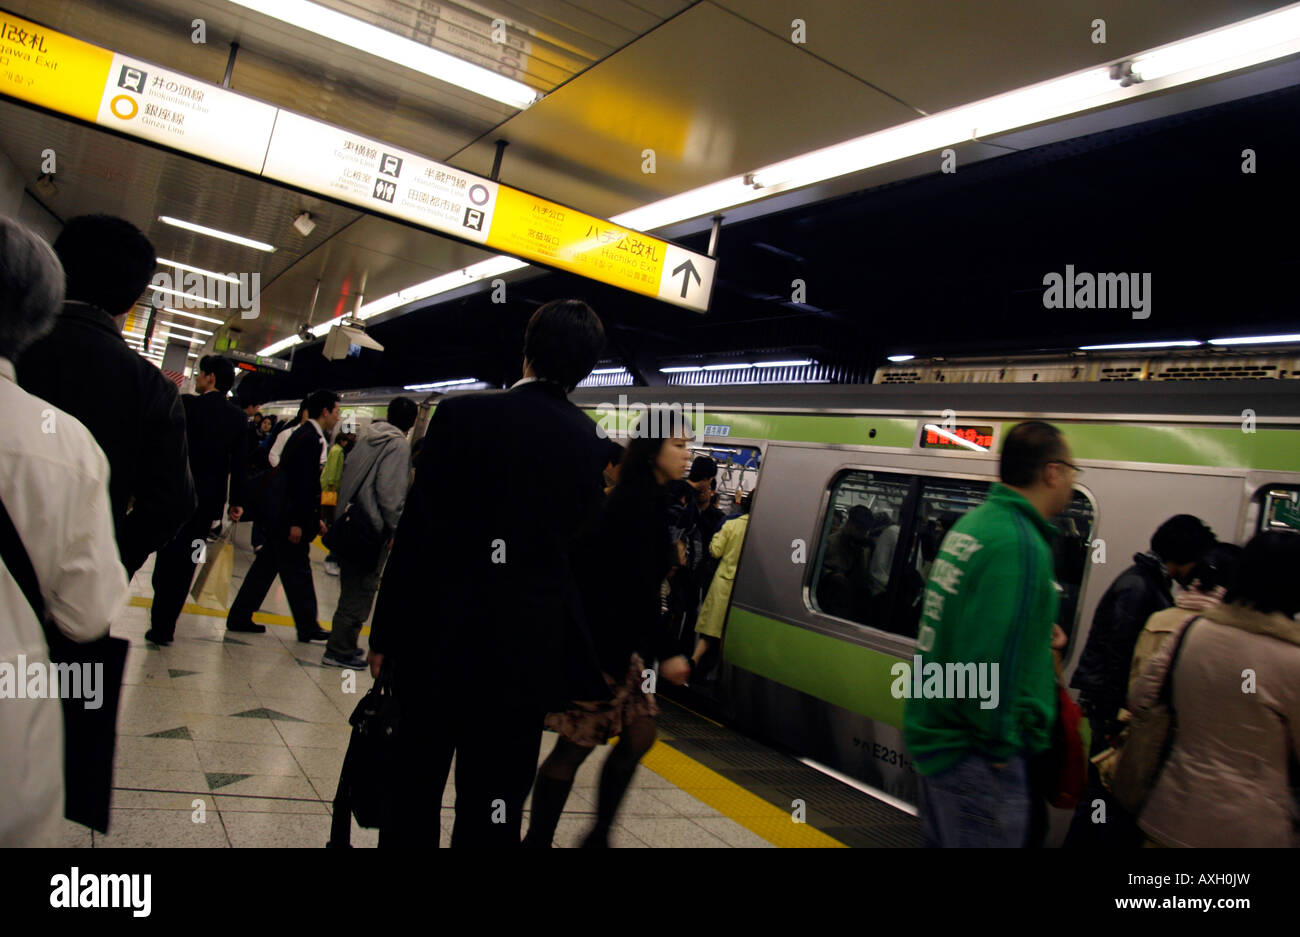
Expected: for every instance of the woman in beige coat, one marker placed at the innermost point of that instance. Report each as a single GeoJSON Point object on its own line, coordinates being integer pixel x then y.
{"type": "Point", "coordinates": [1236, 701]}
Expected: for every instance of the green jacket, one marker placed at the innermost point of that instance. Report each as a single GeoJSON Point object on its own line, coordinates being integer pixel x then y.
{"type": "Point", "coordinates": [991, 600]}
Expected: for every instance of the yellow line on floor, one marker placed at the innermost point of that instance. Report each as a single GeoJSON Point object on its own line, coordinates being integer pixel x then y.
{"type": "Point", "coordinates": [262, 618]}
{"type": "Point", "coordinates": [755, 814]}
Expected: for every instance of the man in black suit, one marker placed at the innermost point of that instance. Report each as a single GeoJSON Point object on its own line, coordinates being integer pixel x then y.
{"type": "Point", "coordinates": [294, 524]}
{"type": "Point", "coordinates": [84, 368]}
{"type": "Point", "coordinates": [478, 615]}
{"type": "Point", "coordinates": [217, 435]}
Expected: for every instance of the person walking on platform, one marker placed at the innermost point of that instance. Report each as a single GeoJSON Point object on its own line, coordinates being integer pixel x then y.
{"type": "Point", "coordinates": [374, 484]}
{"type": "Point", "coordinates": [478, 615]}
{"type": "Point", "coordinates": [56, 543]}
{"type": "Point", "coordinates": [218, 436]}
{"type": "Point", "coordinates": [1103, 671]}
{"type": "Point", "coordinates": [85, 368]}
{"type": "Point", "coordinates": [282, 435]}
{"type": "Point", "coordinates": [289, 533]}
{"type": "Point", "coordinates": [990, 603]}
{"type": "Point", "coordinates": [623, 562]}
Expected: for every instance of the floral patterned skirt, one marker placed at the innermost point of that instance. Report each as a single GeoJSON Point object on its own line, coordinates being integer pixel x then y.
{"type": "Point", "coordinates": [594, 723]}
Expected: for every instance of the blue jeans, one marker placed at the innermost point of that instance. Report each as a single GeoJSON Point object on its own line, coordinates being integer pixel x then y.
{"type": "Point", "coordinates": [975, 803]}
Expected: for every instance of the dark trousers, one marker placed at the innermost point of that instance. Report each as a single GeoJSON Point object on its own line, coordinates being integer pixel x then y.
{"type": "Point", "coordinates": [357, 587]}
{"type": "Point", "coordinates": [173, 574]}
{"type": "Point", "coordinates": [1120, 831]}
{"type": "Point", "coordinates": [496, 753]}
{"type": "Point", "coordinates": [292, 563]}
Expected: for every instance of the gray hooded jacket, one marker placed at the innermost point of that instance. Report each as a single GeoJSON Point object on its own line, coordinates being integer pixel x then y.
{"type": "Point", "coordinates": [384, 493]}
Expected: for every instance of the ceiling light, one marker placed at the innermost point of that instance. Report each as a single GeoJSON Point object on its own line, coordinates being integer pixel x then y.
{"type": "Point", "coordinates": [727, 367]}
{"type": "Point", "coordinates": [303, 224]}
{"type": "Point", "coordinates": [397, 49]}
{"type": "Point", "coordinates": [1187, 344]}
{"type": "Point", "coordinates": [901, 357]}
{"type": "Point", "coordinates": [783, 364]}
{"type": "Point", "coordinates": [434, 384]}
{"type": "Point", "coordinates": [214, 233]}
{"type": "Point", "coordinates": [193, 315]}
{"type": "Point", "coordinates": [187, 328]}
{"type": "Point", "coordinates": [680, 370]}
{"type": "Point", "coordinates": [492, 267]}
{"type": "Point", "coordinates": [1255, 340]}
{"type": "Point", "coordinates": [276, 347]}
{"type": "Point", "coordinates": [198, 298]}
{"type": "Point", "coordinates": [953, 437]}
{"type": "Point", "coordinates": [609, 370]}
{"type": "Point", "coordinates": [199, 270]}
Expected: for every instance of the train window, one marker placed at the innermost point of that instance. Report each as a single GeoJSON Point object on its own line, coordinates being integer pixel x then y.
{"type": "Point", "coordinates": [881, 535]}
{"type": "Point", "coordinates": [1280, 509]}
{"type": "Point", "coordinates": [858, 542]}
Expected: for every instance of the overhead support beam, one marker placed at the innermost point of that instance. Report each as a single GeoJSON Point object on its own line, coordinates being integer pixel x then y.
{"type": "Point", "coordinates": [230, 65]}
{"type": "Point", "coordinates": [496, 159]}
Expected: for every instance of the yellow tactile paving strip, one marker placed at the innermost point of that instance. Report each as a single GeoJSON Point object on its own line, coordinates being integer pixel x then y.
{"type": "Point", "coordinates": [728, 798]}
{"type": "Point", "coordinates": [733, 801]}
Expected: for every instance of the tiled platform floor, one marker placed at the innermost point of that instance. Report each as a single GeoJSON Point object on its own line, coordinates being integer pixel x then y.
{"type": "Point", "coordinates": [254, 729]}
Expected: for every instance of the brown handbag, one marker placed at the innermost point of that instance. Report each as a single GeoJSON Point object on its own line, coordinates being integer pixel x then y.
{"type": "Point", "coordinates": [1150, 740]}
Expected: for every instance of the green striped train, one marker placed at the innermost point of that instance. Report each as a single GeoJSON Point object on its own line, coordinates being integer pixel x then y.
{"type": "Point", "coordinates": [811, 672]}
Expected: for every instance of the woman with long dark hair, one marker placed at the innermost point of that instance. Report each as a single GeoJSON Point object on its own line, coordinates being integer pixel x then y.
{"type": "Point", "coordinates": [625, 562]}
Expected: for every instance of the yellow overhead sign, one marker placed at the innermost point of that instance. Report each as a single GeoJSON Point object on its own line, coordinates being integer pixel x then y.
{"type": "Point", "coordinates": [135, 97]}
{"type": "Point", "coordinates": [50, 69]}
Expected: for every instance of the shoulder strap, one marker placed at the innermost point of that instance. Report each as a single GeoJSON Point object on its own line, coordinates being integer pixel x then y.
{"type": "Point", "coordinates": [19, 563]}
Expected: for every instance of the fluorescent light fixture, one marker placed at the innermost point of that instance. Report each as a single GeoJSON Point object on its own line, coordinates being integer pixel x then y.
{"type": "Point", "coordinates": [184, 338]}
{"type": "Point", "coordinates": [727, 367]}
{"type": "Point", "coordinates": [214, 233]}
{"type": "Point", "coordinates": [1255, 340]}
{"type": "Point", "coordinates": [435, 384]}
{"type": "Point", "coordinates": [783, 364]}
{"type": "Point", "coordinates": [194, 296]}
{"type": "Point", "coordinates": [1242, 45]}
{"type": "Point", "coordinates": [680, 370]}
{"type": "Point", "coordinates": [609, 370]}
{"type": "Point", "coordinates": [276, 347]}
{"type": "Point", "coordinates": [187, 328]}
{"type": "Point", "coordinates": [953, 437]}
{"type": "Point", "coordinates": [1186, 344]}
{"type": "Point", "coordinates": [193, 354]}
{"type": "Point", "coordinates": [199, 270]}
{"type": "Point", "coordinates": [193, 315]}
{"type": "Point", "coordinates": [493, 266]}
{"type": "Point", "coordinates": [398, 49]}
{"type": "Point", "coordinates": [901, 357]}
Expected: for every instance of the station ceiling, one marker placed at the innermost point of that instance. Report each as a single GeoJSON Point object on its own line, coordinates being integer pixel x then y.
{"type": "Point", "coordinates": [716, 88]}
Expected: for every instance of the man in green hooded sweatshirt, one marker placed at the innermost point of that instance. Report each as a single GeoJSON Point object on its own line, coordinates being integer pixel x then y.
{"type": "Point", "coordinates": [990, 604]}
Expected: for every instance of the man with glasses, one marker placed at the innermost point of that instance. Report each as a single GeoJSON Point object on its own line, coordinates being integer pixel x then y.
{"type": "Point", "coordinates": [989, 607]}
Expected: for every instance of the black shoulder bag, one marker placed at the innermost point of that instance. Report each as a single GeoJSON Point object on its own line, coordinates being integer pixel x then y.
{"type": "Point", "coordinates": [352, 538]}
{"type": "Point", "coordinates": [89, 735]}
{"type": "Point", "coordinates": [365, 780]}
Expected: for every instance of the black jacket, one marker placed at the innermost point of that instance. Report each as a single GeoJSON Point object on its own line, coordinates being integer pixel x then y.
{"type": "Point", "coordinates": [1102, 674]}
{"type": "Point", "coordinates": [623, 565]}
{"type": "Point", "coordinates": [479, 599]}
{"type": "Point", "coordinates": [85, 368]}
{"type": "Point", "coordinates": [218, 435]}
{"type": "Point", "coordinates": [299, 482]}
